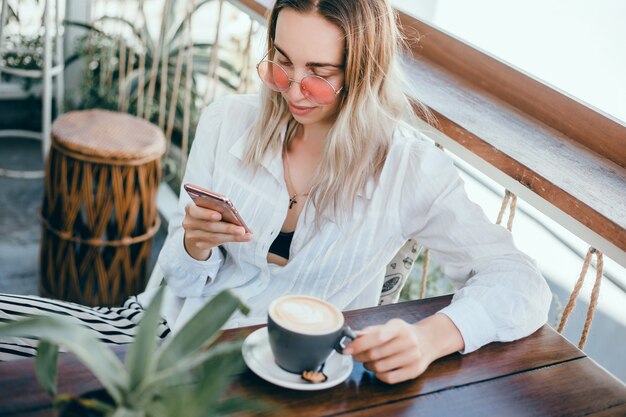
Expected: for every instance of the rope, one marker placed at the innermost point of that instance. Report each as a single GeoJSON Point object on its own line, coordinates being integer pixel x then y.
{"type": "Point", "coordinates": [595, 293]}
{"type": "Point", "coordinates": [508, 196]}
{"type": "Point", "coordinates": [129, 70]}
{"type": "Point", "coordinates": [155, 63]}
{"type": "Point", "coordinates": [245, 70]}
{"type": "Point", "coordinates": [209, 93]}
{"type": "Point", "coordinates": [163, 86]}
{"type": "Point", "coordinates": [188, 86]}
{"type": "Point", "coordinates": [121, 79]}
{"type": "Point", "coordinates": [424, 273]}
{"type": "Point", "coordinates": [177, 77]}
{"type": "Point", "coordinates": [142, 61]}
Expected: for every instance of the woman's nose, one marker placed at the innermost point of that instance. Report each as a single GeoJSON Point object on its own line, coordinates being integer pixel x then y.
{"type": "Point", "coordinates": [294, 92]}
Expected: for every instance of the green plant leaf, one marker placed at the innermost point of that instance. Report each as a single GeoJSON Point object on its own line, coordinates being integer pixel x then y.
{"type": "Point", "coordinates": [46, 364]}
{"type": "Point", "coordinates": [215, 376]}
{"type": "Point", "coordinates": [219, 366]}
{"type": "Point", "coordinates": [126, 22]}
{"type": "Point", "coordinates": [201, 329]}
{"type": "Point", "coordinates": [178, 369]}
{"type": "Point", "coordinates": [140, 357]}
{"type": "Point", "coordinates": [82, 25]}
{"type": "Point", "coordinates": [90, 350]}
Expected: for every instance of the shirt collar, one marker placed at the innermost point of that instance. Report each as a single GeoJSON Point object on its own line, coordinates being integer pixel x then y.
{"type": "Point", "coordinates": [274, 164]}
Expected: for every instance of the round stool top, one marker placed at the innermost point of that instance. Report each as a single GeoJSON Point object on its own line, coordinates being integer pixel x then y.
{"type": "Point", "coordinates": [108, 135]}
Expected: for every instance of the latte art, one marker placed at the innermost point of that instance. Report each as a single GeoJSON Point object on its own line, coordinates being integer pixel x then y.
{"type": "Point", "coordinates": [306, 315]}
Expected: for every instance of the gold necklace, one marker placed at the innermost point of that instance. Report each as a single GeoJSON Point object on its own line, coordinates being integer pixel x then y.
{"type": "Point", "coordinates": [292, 199]}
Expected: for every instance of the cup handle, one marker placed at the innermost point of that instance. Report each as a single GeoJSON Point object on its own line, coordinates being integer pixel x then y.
{"type": "Point", "coordinates": [346, 333]}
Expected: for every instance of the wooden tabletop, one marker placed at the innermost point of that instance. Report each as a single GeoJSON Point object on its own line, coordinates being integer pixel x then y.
{"type": "Point", "coordinates": [542, 374]}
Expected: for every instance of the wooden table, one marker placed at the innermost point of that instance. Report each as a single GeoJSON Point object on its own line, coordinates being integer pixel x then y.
{"type": "Point", "coordinates": [541, 375]}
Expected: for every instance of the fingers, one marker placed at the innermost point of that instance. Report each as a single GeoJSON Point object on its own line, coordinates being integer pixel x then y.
{"type": "Point", "coordinates": [190, 223]}
{"type": "Point", "coordinates": [399, 375]}
{"type": "Point", "coordinates": [200, 218]}
{"type": "Point", "coordinates": [201, 213]}
{"type": "Point", "coordinates": [398, 344]}
{"type": "Point", "coordinates": [204, 239]}
{"type": "Point", "coordinates": [405, 358]}
{"type": "Point", "coordinates": [204, 230]}
{"type": "Point", "coordinates": [392, 351]}
{"type": "Point", "coordinates": [375, 336]}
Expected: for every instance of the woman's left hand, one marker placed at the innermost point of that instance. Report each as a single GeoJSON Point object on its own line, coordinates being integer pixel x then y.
{"type": "Point", "coordinates": [398, 351]}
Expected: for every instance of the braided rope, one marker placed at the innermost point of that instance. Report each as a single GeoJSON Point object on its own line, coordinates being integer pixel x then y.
{"type": "Point", "coordinates": [512, 198]}
{"type": "Point", "coordinates": [245, 68]}
{"type": "Point", "coordinates": [156, 59]}
{"type": "Point", "coordinates": [129, 70]}
{"type": "Point", "coordinates": [184, 145]}
{"type": "Point", "coordinates": [163, 86]}
{"type": "Point", "coordinates": [209, 93]}
{"type": "Point", "coordinates": [169, 127]}
{"type": "Point", "coordinates": [424, 273]}
{"type": "Point", "coordinates": [142, 60]}
{"type": "Point", "coordinates": [595, 293]}
{"type": "Point", "coordinates": [121, 79]}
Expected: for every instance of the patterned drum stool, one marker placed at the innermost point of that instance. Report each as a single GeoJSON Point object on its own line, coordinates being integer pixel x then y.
{"type": "Point", "coordinates": [99, 210]}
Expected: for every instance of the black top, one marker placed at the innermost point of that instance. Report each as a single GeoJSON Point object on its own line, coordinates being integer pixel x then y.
{"type": "Point", "coordinates": [281, 244]}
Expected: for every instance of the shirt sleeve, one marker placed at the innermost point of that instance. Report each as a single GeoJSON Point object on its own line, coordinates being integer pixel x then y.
{"type": "Point", "coordinates": [501, 295]}
{"type": "Point", "coordinates": [186, 276]}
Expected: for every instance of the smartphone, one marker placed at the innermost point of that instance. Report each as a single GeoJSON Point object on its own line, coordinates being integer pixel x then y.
{"type": "Point", "coordinates": [217, 202]}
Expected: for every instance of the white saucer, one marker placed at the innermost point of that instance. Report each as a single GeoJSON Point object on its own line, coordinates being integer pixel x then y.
{"type": "Point", "coordinates": [258, 356]}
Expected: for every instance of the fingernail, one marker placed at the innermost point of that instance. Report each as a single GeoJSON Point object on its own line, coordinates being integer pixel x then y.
{"type": "Point", "coordinates": [347, 351]}
{"type": "Point", "coordinates": [216, 217]}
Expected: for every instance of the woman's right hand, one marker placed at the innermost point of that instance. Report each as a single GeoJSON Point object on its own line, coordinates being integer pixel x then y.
{"type": "Point", "coordinates": [204, 230]}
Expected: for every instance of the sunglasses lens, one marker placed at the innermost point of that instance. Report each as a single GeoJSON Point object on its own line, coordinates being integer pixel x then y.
{"type": "Point", "coordinates": [273, 76]}
{"type": "Point", "coordinates": [317, 90]}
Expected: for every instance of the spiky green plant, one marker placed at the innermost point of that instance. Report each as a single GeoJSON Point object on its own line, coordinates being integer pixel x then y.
{"type": "Point", "coordinates": [184, 376]}
{"type": "Point", "coordinates": [102, 48]}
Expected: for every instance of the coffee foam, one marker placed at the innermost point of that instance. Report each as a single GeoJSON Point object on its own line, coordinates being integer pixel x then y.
{"type": "Point", "coordinates": [306, 315]}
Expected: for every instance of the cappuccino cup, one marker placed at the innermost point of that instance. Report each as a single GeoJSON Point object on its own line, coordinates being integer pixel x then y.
{"type": "Point", "coordinates": [303, 332]}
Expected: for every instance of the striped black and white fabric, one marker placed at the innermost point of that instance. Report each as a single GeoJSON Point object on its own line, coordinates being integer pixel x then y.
{"type": "Point", "coordinates": [115, 325]}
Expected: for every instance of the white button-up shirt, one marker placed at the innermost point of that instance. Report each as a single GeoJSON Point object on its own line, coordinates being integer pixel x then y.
{"type": "Point", "coordinates": [501, 295]}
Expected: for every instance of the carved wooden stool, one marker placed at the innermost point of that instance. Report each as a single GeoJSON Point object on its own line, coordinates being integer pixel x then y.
{"type": "Point", "coordinates": [99, 209]}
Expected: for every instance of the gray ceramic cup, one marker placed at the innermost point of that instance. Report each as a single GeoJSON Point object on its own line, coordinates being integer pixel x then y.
{"type": "Point", "coordinates": [299, 349]}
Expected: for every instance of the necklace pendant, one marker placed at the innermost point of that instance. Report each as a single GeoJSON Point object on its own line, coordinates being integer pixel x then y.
{"type": "Point", "coordinates": [292, 201]}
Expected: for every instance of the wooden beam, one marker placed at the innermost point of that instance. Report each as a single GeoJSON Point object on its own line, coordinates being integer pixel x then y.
{"type": "Point", "coordinates": [591, 128]}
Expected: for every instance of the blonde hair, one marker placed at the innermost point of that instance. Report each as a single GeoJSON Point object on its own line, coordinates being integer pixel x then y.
{"type": "Point", "coordinates": [373, 103]}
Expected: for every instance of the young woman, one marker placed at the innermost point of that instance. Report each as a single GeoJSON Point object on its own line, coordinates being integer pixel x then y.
{"type": "Point", "coordinates": [331, 179]}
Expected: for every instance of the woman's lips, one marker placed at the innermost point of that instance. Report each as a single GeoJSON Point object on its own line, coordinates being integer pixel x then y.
{"type": "Point", "coordinates": [300, 111]}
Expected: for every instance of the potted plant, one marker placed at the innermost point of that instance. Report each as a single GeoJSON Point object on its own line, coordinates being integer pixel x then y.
{"type": "Point", "coordinates": [184, 376]}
